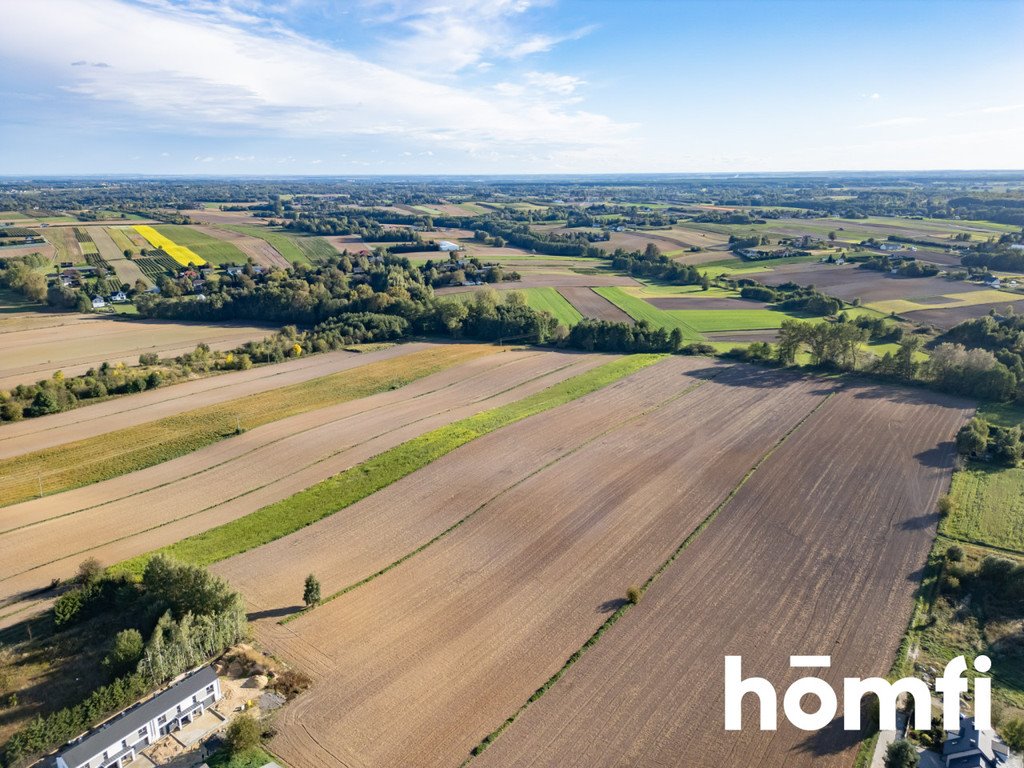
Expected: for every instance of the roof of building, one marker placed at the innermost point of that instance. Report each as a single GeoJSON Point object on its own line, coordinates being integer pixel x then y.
{"type": "Point", "coordinates": [131, 720]}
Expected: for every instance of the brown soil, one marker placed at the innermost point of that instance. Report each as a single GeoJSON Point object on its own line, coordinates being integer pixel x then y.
{"type": "Point", "coordinates": [418, 665]}
{"type": "Point", "coordinates": [819, 553]}
{"type": "Point", "coordinates": [593, 305]}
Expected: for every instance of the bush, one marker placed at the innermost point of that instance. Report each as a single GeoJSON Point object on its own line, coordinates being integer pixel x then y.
{"type": "Point", "coordinates": [243, 734]}
{"type": "Point", "coordinates": [955, 554]}
{"type": "Point", "coordinates": [633, 595]}
{"type": "Point", "coordinates": [901, 754]}
{"type": "Point", "coordinates": [126, 653]}
{"type": "Point", "coordinates": [89, 571]}
{"type": "Point", "coordinates": [290, 683]}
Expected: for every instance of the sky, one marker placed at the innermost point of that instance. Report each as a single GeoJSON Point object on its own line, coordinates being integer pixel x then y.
{"type": "Point", "coordinates": [327, 87]}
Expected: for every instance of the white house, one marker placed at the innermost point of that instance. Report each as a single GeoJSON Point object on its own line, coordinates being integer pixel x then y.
{"type": "Point", "coordinates": [447, 245]}
{"type": "Point", "coordinates": [117, 743]}
{"type": "Point", "coordinates": [971, 748]}
{"type": "Point", "coordinates": [98, 302]}
{"type": "Point", "coordinates": [118, 297]}
{"type": "Point", "coordinates": [890, 246]}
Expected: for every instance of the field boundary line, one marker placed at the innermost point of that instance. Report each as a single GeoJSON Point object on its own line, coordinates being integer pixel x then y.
{"type": "Point", "coordinates": [409, 555]}
{"type": "Point", "coordinates": [624, 608]}
{"type": "Point", "coordinates": [365, 380]}
{"type": "Point", "coordinates": [210, 467]}
{"type": "Point", "coordinates": [381, 470]}
{"type": "Point", "coordinates": [251, 490]}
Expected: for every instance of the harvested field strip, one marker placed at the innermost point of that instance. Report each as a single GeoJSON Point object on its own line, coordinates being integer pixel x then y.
{"type": "Point", "coordinates": [639, 309]}
{"type": "Point", "coordinates": [233, 478]}
{"type": "Point", "coordinates": [946, 301]}
{"type": "Point", "coordinates": [718, 320]}
{"type": "Point", "coordinates": [593, 305]}
{"type": "Point", "coordinates": [110, 415]}
{"type": "Point", "coordinates": [626, 605]}
{"type": "Point", "coordinates": [184, 256]}
{"type": "Point", "coordinates": [439, 649]}
{"type": "Point", "coordinates": [385, 526]}
{"type": "Point", "coordinates": [304, 249]}
{"type": "Point", "coordinates": [91, 460]}
{"type": "Point", "coordinates": [819, 552]}
{"type": "Point", "coordinates": [121, 239]}
{"type": "Point", "coordinates": [327, 498]}
{"type": "Point", "coordinates": [542, 299]}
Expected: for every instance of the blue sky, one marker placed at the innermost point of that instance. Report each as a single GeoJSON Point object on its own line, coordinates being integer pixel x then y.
{"type": "Point", "coordinates": [509, 86]}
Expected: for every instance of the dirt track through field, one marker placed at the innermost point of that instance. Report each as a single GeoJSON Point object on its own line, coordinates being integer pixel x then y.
{"type": "Point", "coordinates": [141, 511]}
{"type": "Point", "coordinates": [122, 412]}
{"type": "Point", "coordinates": [592, 305]}
{"type": "Point", "coordinates": [417, 666]}
{"type": "Point", "coordinates": [29, 355]}
{"type": "Point", "coordinates": [820, 552]}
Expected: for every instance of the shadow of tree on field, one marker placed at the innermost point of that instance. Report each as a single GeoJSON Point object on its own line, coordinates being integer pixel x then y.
{"type": "Point", "coordinates": [752, 376]}
{"type": "Point", "coordinates": [273, 613]}
{"type": "Point", "coordinates": [939, 456]}
{"type": "Point", "coordinates": [830, 740]}
{"type": "Point", "coordinates": [610, 606]}
{"type": "Point", "coordinates": [920, 522]}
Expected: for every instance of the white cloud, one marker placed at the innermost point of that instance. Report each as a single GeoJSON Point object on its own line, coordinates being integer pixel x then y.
{"type": "Point", "coordinates": [199, 73]}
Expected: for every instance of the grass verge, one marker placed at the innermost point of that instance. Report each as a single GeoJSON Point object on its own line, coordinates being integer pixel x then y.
{"type": "Point", "coordinates": [621, 611]}
{"type": "Point", "coordinates": [346, 488]}
{"type": "Point", "coordinates": [93, 459]}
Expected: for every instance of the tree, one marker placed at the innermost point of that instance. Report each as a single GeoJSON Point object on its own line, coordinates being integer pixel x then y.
{"type": "Point", "coordinates": [127, 651]}
{"type": "Point", "coordinates": [311, 593]}
{"type": "Point", "coordinates": [89, 571]}
{"type": "Point", "coordinates": [243, 734]}
{"type": "Point", "coordinates": [901, 754]}
{"type": "Point", "coordinates": [1013, 734]}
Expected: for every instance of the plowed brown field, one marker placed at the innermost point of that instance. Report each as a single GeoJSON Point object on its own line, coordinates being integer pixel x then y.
{"type": "Point", "coordinates": [415, 667]}
{"type": "Point", "coordinates": [29, 355]}
{"type": "Point", "coordinates": [116, 519]}
{"type": "Point", "coordinates": [593, 305]}
{"type": "Point", "coordinates": [99, 418]}
{"type": "Point", "coordinates": [261, 251]}
{"type": "Point", "coordinates": [819, 553]}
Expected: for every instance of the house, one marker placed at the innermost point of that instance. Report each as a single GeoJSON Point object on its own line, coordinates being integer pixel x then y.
{"type": "Point", "coordinates": [890, 246]}
{"type": "Point", "coordinates": [118, 297]}
{"type": "Point", "coordinates": [98, 302]}
{"type": "Point", "coordinates": [116, 743]}
{"type": "Point", "coordinates": [971, 748]}
{"type": "Point", "coordinates": [992, 281]}
{"type": "Point", "coordinates": [447, 245]}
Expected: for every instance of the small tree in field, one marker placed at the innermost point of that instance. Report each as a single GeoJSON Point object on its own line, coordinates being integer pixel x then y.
{"type": "Point", "coordinates": [243, 734]}
{"type": "Point", "coordinates": [311, 594]}
{"type": "Point", "coordinates": [633, 595]}
{"type": "Point", "coordinates": [89, 571]}
{"type": "Point", "coordinates": [901, 754]}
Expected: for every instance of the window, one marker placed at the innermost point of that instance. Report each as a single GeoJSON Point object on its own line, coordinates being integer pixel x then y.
{"type": "Point", "coordinates": [161, 720]}
{"type": "Point", "coordinates": [209, 689]}
{"type": "Point", "coordinates": [142, 733]}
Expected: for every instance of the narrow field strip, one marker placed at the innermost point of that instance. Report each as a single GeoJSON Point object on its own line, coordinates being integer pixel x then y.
{"type": "Point", "coordinates": [461, 521]}
{"type": "Point", "coordinates": [140, 487]}
{"type": "Point", "coordinates": [327, 498]}
{"type": "Point", "coordinates": [624, 608]}
{"type": "Point", "coordinates": [87, 461]}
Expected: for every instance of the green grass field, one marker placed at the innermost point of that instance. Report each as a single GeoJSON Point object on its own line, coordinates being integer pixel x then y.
{"type": "Point", "coordinates": [542, 299]}
{"type": "Point", "coordinates": [73, 465]}
{"type": "Point", "coordinates": [210, 248]}
{"type": "Point", "coordinates": [334, 494]}
{"type": "Point", "coordinates": [305, 249]}
{"type": "Point", "coordinates": [639, 309]}
{"type": "Point", "coordinates": [717, 320]}
{"type": "Point", "coordinates": [121, 239]}
{"type": "Point", "coordinates": [988, 506]}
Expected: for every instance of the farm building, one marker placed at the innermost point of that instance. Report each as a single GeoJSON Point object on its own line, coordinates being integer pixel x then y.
{"type": "Point", "coordinates": [447, 245]}
{"type": "Point", "coordinates": [116, 743]}
{"type": "Point", "coordinates": [971, 748]}
{"type": "Point", "coordinates": [992, 281]}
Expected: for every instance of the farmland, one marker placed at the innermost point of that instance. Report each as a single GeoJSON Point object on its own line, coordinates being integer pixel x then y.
{"type": "Point", "coordinates": [787, 553]}
{"type": "Point", "coordinates": [209, 248]}
{"type": "Point", "coordinates": [987, 506]}
{"type": "Point", "coordinates": [521, 555]}
{"type": "Point", "coordinates": [75, 343]}
{"type": "Point", "coordinates": [305, 250]}
{"type": "Point", "coordinates": [184, 256]}
{"type": "Point", "coordinates": [591, 304]}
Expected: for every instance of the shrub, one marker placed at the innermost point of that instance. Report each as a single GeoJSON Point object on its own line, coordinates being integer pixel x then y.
{"type": "Point", "coordinates": [955, 554]}
{"type": "Point", "coordinates": [633, 595]}
{"type": "Point", "coordinates": [243, 734]}
{"type": "Point", "coordinates": [89, 571]}
{"type": "Point", "coordinates": [901, 754]}
{"type": "Point", "coordinates": [290, 683]}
